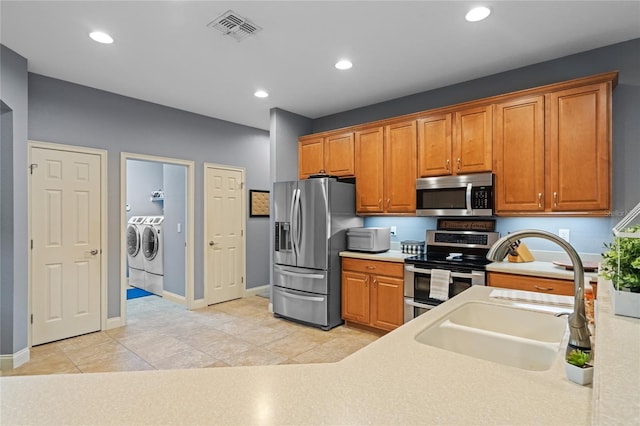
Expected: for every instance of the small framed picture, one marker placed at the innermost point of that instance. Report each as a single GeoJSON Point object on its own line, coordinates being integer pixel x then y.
{"type": "Point", "coordinates": [258, 203]}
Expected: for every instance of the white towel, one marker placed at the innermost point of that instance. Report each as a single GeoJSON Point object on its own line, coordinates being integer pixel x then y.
{"type": "Point", "coordinates": [439, 287]}
{"type": "Point", "coordinates": [534, 297]}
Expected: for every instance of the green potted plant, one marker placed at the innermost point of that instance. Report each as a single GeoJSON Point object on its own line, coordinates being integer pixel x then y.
{"type": "Point", "coordinates": [578, 368]}
{"type": "Point", "coordinates": [621, 265]}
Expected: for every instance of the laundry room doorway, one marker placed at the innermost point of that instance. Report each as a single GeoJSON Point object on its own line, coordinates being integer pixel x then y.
{"type": "Point", "coordinates": [157, 228]}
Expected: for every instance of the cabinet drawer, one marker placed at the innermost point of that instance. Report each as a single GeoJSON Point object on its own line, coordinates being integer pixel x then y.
{"type": "Point", "coordinates": [393, 269]}
{"type": "Point", "coordinates": [523, 282]}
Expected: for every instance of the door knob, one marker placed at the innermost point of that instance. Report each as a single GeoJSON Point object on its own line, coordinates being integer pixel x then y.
{"type": "Point", "coordinates": [211, 243]}
{"type": "Point", "coordinates": [93, 252]}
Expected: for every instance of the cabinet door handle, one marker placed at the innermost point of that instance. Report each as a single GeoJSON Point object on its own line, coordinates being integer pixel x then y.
{"type": "Point", "coordinates": [380, 202]}
{"type": "Point", "coordinates": [388, 202]}
{"type": "Point", "coordinates": [555, 199]}
{"type": "Point", "coordinates": [375, 282]}
{"type": "Point", "coordinates": [458, 161]}
{"type": "Point", "coordinates": [539, 200]}
{"type": "Point", "coordinates": [366, 281]}
{"type": "Point", "coordinates": [448, 165]}
{"type": "Point", "coordinates": [370, 267]}
{"type": "Point", "coordinates": [537, 287]}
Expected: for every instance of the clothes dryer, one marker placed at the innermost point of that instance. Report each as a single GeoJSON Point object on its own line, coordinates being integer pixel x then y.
{"type": "Point", "coordinates": [153, 251]}
{"type": "Point", "coordinates": [135, 257]}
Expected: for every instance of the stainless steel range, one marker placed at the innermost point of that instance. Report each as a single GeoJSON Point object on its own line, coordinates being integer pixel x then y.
{"type": "Point", "coordinates": [456, 252]}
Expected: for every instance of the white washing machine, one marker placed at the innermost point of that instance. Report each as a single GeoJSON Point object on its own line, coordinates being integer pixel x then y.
{"type": "Point", "coordinates": [153, 251]}
{"type": "Point", "coordinates": [135, 257]}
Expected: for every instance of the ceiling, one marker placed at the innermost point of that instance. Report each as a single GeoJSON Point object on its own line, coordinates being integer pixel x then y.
{"type": "Point", "coordinates": [165, 53]}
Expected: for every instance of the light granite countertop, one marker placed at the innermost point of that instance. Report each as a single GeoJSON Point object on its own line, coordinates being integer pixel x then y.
{"type": "Point", "coordinates": [387, 256]}
{"type": "Point", "coordinates": [394, 380]}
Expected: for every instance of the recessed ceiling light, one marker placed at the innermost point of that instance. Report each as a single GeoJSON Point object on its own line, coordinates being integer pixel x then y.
{"type": "Point", "coordinates": [101, 37]}
{"type": "Point", "coordinates": [344, 64]}
{"type": "Point", "coordinates": [477, 14]}
{"type": "Point", "coordinates": [261, 94]}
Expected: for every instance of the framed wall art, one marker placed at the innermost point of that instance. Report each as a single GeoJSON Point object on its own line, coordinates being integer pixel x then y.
{"type": "Point", "coordinates": [258, 203]}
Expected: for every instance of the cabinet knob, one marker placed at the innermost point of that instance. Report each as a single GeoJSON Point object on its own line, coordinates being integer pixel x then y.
{"type": "Point", "coordinates": [539, 200]}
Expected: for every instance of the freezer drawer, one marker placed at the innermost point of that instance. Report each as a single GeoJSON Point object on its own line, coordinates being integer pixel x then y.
{"type": "Point", "coordinates": [301, 306]}
{"type": "Point", "coordinates": [303, 279]}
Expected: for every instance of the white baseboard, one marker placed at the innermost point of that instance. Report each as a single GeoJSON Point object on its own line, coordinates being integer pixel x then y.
{"type": "Point", "coordinates": [9, 362]}
{"type": "Point", "coordinates": [198, 304]}
{"type": "Point", "coordinates": [256, 290]}
{"type": "Point", "coordinates": [114, 322]}
{"type": "Point", "coordinates": [175, 298]}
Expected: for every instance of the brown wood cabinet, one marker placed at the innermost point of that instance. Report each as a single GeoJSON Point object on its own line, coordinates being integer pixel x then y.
{"type": "Point", "coordinates": [530, 283]}
{"type": "Point", "coordinates": [552, 153]}
{"type": "Point", "coordinates": [332, 154]}
{"type": "Point", "coordinates": [386, 169]}
{"type": "Point", "coordinates": [549, 148]}
{"type": "Point", "coordinates": [455, 143]}
{"type": "Point", "coordinates": [519, 156]}
{"type": "Point", "coordinates": [579, 149]}
{"type": "Point", "coordinates": [372, 293]}
{"type": "Point", "coordinates": [435, 145]}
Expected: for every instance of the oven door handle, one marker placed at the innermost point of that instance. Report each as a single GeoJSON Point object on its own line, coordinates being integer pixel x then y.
{"type": "Point", "coordinates": [413, 269]}
{"type": "Point", "coordinates": [411, 302]}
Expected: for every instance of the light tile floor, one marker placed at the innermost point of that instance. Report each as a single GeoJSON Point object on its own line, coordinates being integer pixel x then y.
{"type": "Point", "coordinates": [163, 335]}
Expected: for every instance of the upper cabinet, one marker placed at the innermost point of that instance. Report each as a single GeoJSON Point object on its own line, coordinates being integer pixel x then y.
{"type": "Point", "coordinates": [455, 142]}
{"type": "Point", "coordinates": [549, 148]}
{"type": "Point", "coordinates": [579, 149]}
{"type": "Point", "coordinates": [332, 154]}
{"type": "Point", "coordinates": [435, 145]}
{"type": "Point", "coordinates": [386, 169]}
{"type": "Point", "coordinates": [519, 156]}
{"type": "Point", "coordinates": [552, 152]}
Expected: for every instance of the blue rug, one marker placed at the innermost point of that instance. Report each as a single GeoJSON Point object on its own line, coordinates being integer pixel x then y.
{"type": "Point", "coordinates": [134, 293]}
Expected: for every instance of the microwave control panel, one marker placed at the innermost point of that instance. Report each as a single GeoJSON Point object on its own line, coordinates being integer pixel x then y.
{"type": "Point", "coordinates": [482, 197]}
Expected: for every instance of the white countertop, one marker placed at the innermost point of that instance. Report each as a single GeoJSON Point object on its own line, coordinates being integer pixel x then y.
{"type": "Point", "coordinates": [538, 269]}
{"type": "Point", "coordinates": [387, 256]}
{"type": "Point", "coordinates": [394, 380]}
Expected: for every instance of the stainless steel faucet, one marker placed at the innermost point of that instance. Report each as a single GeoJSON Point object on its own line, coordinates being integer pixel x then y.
{"type": "Point", "coordinates": [578, 330]}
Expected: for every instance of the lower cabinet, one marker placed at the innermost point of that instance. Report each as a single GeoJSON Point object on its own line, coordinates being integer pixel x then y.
{"type": "Point", "coordinates": [372, 293]}
{"type": "Point", "coordinates": [529, 283]}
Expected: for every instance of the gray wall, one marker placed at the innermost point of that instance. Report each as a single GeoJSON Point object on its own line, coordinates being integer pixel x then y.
{"type": "Point", "coordinates": [62, 112]}
{"type": "Point", "coordinates": [13, 217]}
{"type": "Point", "coordinates": [142, 178]}
{"type": "Point", "coordinates": [175, 215]}
{"type": "Point", "coordinates": [623, 57]}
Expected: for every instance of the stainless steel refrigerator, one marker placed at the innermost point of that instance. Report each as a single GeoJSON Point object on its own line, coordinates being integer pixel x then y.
{"type": "Point", "coordinates": [311, 220]}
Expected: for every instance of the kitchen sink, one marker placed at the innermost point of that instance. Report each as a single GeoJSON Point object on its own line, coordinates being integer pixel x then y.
{"type": "Point", "coordinates": [517, 337]}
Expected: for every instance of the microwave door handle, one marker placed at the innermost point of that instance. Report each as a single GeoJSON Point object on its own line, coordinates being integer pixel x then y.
{"type": "Point", "coordinates": [469, 209]}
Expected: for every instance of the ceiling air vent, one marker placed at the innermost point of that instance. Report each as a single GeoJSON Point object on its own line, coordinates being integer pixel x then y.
{"type": "Point", "coordinates": [233, 25]}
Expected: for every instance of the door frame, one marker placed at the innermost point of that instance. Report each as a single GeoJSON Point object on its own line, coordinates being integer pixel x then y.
{"type": "Point", "coordinates": [104, 241]}
{"type": "Point", "coordinates": [243, 243]}
{"type": "Point", "coordinates": [188, 299]}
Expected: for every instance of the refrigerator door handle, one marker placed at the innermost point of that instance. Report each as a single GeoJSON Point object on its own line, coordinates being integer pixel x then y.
{"type": "Point", "coordinates": [301, 275]}
{"type": "Point", "coordinates": [295, 222]}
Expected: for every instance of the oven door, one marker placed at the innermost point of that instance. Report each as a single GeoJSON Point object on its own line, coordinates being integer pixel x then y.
{"type": "Point", "coordinates": [461, 279]}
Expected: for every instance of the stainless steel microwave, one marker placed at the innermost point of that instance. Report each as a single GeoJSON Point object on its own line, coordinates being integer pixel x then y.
{"type": "Point", "coordinates": [462, 195]}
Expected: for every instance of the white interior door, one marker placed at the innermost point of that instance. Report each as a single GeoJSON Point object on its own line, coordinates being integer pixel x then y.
{"type": "Point", "coordinates": [65, 220]}
{"type": "Point", "coordinates": [224, 234]}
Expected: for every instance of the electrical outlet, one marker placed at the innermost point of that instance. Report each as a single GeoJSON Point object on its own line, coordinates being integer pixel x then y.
{"type": "Point", "coordinates": [393, 230]}
{"type": "Point", "coordinates": [564, 234]}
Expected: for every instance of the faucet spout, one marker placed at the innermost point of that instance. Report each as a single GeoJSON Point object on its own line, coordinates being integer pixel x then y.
{"type": "Point", "coordinates": [579, 336]}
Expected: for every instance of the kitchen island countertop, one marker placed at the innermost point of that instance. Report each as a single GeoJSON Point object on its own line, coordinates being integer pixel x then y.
{"type": "Point", "coordinates": [394, 380]}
